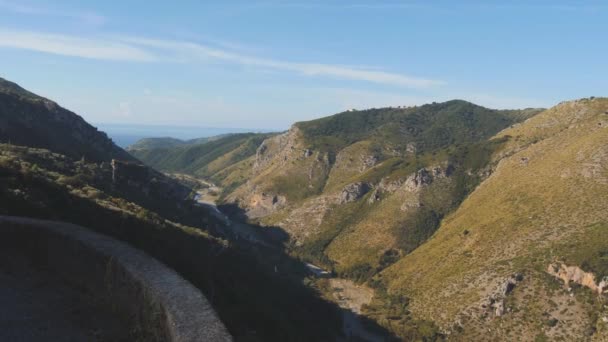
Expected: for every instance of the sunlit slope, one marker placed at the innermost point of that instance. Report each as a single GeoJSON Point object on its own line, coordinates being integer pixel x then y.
{"type": "Point", "coordinates": [546, 201]}
{"type": "Point", "coordinates": [357, 190]}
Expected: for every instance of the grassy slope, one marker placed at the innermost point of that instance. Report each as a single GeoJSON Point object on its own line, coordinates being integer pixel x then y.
{"type": "Point", "coordinates": [168, 142]}
{"type": "Point", "coordinates": [353, 239]}
{"type": "Point", "coordinates": [547, 199]}
{"type": "Point", "coordinates": [383, 132]}
{"type": "Point", "coordinates": [202, 159]}
{"type": "Point", "coordinates": [239, 280]}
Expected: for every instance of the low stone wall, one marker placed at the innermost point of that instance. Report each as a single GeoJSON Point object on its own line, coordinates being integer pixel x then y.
{"type": "Point", "coordinates": [159, 304]}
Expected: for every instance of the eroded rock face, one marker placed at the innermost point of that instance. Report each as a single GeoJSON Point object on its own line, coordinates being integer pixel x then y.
{"type": "Point", "coordinates": [426, 176]}
{"type": "Point", "coordinates": [262, 204]}
{"type": "Point", "coordinates": [413, 183]}
{"type": "Point", "coordinates": [374, 197]}
{"type": "Point", "coordinates": [368, 162]}
{"type": "Point", "coordinates": [575, 274]}
{"type": "Point", "coordinates": [418, 179]}
{"type": "Point", "coordinates": [495, 303]}
{"type": "Point", "coordinates": [353, 192]}
{"type": "Point", "coordinates": [280, 147]}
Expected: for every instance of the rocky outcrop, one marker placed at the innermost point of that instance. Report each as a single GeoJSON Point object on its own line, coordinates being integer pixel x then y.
{"type": "Point", "coordinates": [367, 162]}
{"type": "Point", "coordinates": [495, 302]}
{"type": "Point", "coordinates": [263, 204]}
{"type": "Point", "coordinates": [281, 148]}
{"type": "Point", "coordinates": [418, 179]}
{"type": "Point", "coordinates": [576, 275]}
{"type": "Point", "coordinates": [353, 192]}
{"type": "Point", "coordinates": [413, 183]}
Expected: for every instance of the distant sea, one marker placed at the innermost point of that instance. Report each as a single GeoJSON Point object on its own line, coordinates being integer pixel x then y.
{"type": "Point", "coordinates": [128, 134]}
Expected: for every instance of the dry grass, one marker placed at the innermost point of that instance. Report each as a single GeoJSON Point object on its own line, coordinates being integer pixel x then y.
{"type": "Point", "coordinates": [550, 188]}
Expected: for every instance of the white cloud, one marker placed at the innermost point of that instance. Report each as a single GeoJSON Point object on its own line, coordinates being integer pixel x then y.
{"type": "Point", "coordinates": [85, 17]}
{"type": "Point", "coordinates": [72, 46]}
{"type": "Point", "coordinates": [190, 50]}
{"type": "Point", "coordinates": [148, 50]}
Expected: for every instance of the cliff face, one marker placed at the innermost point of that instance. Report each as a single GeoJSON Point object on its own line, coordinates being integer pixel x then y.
{"type": "Point", "coordinates": [30, 120]}
{"type": "Point", "coordinates": [576, 275]}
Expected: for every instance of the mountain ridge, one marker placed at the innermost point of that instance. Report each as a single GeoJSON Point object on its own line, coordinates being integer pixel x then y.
{"type": "Point", "coordinates": [32, 120]}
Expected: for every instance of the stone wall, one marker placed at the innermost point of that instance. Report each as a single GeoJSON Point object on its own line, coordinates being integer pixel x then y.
{"type": "Point", "coordinates": [160, 304]}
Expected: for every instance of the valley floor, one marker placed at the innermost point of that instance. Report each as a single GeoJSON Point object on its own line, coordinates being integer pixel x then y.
{"type": "Point", "coordinates": [349, 296]}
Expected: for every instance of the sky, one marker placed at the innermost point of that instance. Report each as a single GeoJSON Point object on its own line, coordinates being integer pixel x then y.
{"type": "Point", "coordinates": [266, 64]}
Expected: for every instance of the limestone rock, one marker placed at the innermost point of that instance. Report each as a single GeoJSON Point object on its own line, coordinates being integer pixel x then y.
{"type": "Point", "coordinates": [368, 162]}
{"type": "Point", "coordinates": [374, 197]}
{"type": "Point", "coordinates": [496, 301]}
{"type": "Point", "coordinates": [262, 204]}
{"type": "Point", "coordinates": [353, 192]}
{"type": "Point", "coordinates": [575, 274]}
{"type": "Point", "coordinates": [418, 179]}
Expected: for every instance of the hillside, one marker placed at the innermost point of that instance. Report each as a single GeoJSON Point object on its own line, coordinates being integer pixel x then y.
{"type": "Point", "coordinates": [213, 158]}
{"type": "Point", "coordinates": [168, 142]}
{"type": "Point", "coordinates": [30, 120]}
{"type": "Point", "coordinates": [238, 279]}
{"type": "Point", "coordinates": [543, 209]}
{"type": "Point", "coordinates": [158, 215]}
{"type": "Point", "coordinates": [358, 190]}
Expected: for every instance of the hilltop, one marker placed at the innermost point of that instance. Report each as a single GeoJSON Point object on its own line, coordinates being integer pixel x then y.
{"type": "Point", "coordinates": [31, 120]}
{"type": "Point", "coordinates": [168, 142]}
{"type": "Point", "coordinates": [219, 158]}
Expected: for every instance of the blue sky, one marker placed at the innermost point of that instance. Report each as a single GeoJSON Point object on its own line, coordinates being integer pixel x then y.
{"type": "Point", "coordinates": [266, 64]}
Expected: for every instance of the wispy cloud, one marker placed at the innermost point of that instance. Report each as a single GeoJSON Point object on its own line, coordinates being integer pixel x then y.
{"type": "Point", "coordinates": [150, 50]}
{"type": "Point", "coordinates": [73, 46]}
{"type": "Point", "coordinates": [422, 5]}
{"type": "Point", "coordinates": [199, 51]}
{"type": "Point", "coordinates": [86, 17]}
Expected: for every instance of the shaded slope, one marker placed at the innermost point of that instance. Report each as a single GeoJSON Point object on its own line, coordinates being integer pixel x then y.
{"type": "Point", "coordinates": [30, 120]}
{"type": "Point", "coordinates": [254, 301]}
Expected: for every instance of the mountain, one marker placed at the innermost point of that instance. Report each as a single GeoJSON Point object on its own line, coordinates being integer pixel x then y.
{"type": "Point", "coordinates": [168, 142]}
{"type": "Point", "coordinates": [110, 192]}
{"type": "Point", "coordinates": [30, 120]}
{"type": "Point", "coordinates": [492, 270]}
{"type": "Point", "coordinates": [467, 223]}
{"type": "Point", "coordinates": [359, 189]}
{"type": "Point", "coordinates": [218, 158]}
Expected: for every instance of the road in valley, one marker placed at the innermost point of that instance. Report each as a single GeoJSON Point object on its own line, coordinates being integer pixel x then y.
{"type": "Point", "coordinates": [345, 293]}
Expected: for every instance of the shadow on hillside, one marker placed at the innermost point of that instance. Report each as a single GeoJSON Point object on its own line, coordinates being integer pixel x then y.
{"type": "Point", "coordinates": [355, 327]}
{"type": "Point", "coordinates": [258, 292]}
{"type": "Point", "coordinates": [275, 236]}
